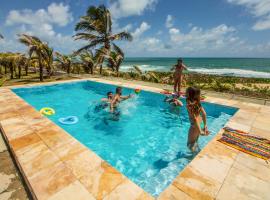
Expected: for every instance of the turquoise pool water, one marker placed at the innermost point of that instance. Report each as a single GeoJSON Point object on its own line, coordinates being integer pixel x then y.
{"type": "Point", "coordinates": [146, 142]}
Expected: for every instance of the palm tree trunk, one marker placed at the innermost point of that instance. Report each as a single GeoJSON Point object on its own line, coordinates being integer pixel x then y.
{"type": "Point", "coordinates": [40, 69]}
{"type": "Point", "coordinates": [91, 68]}
{"type": "Point", "coordinates": [11, 72]}
{"type": "Point", "coordinates": [26, 69]}
{"type": "Point", "coordinates": [20, 71]}
{"type": "Point", "coordinates": [100, 69]}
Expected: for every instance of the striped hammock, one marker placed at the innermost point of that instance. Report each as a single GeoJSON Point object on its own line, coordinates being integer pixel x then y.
{"type": "Point", "coordinates": [245, 142]}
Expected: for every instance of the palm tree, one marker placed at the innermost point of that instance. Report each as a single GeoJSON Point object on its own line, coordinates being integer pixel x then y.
{"type": "Point", "coordinates": [114, 58]}
{"type": "Point", "coordinates": [96, 29]}
{"type": "Point", "coordinates": [38, 48]}
{"type": "Point", "coordinates": [1, 36]}
{"type": "Point", "coordinates": [64, 61]}
{"type": "Point", "coordinates": [148, 75]}
{"type": "Point", "coordinates": [88, 60]}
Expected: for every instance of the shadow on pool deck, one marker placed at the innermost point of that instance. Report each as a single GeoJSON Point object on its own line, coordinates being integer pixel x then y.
{"type": "Point", "coordinates": [11, 186]}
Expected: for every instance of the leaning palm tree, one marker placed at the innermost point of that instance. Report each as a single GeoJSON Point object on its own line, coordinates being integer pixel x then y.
{"type": "Point", "coordinates": [65, 61]}
{"type": "Point", "coordinates": [115, 57]}
{"type": "Point", "coordinates": [88, 60]}
{"type": "Point", "coordinates": [96, 29]}
{"type": "Point", "coordinates": [38, 48]}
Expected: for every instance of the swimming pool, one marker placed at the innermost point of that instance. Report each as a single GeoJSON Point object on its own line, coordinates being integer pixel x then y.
{"type": "Point", "coordinates": [146, 142]}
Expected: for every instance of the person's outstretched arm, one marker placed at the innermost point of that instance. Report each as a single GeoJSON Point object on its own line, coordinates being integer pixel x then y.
{"type": "Point", "coordinates": [185, 67]}
{"type": "Point", "coordinates": [206, 132]}
{"type": "Point", "coordinates": [126, 97]}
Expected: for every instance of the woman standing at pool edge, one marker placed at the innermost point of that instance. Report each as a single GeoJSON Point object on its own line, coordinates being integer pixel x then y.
{"type": "Point", "coordinates": [177, 75]}
{"type": "Point", "coordinates": [196, 114]}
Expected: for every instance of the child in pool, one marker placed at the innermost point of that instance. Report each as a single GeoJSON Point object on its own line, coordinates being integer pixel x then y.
{"type": "Point", "coordinates": [118, 97]}
{"type": "Point", "coordinates": [105, 102]}
{"type": "Point", "coordinates": [196, 114]}
{"type": "Point", "coordinates": [174, 100]}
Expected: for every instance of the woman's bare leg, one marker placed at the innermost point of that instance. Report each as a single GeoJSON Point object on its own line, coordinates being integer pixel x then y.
{"type": "Point", "coordinates": [176, 82]}
{"type": "Point", "coordinates": [179, 85]}
{"type": "Point", "coordinates": [193, 136]}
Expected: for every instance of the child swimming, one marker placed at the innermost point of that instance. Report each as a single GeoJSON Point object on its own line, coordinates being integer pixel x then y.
{"type": "Point", "coordinates": [196, 114]}
{"type": "Point", "coordinates": [174, 100]}
{"type": "Point", "coordinates": [105, 102]}
{"type": "Point", "coordinates": [118, 98]}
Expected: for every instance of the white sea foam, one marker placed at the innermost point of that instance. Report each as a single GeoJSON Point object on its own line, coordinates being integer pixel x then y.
{"type": "Point", "coordinates": [213, 71]}
{"type": "Point", "coordinates": [232, 72]}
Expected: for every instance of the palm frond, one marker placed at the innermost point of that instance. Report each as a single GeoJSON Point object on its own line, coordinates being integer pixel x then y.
{"type": "Point", "coordinates": [137, 69]}
{"type": "Point", "coordinates": [122, 36]}
{"type": "Point", "coordinates": [85, 36]}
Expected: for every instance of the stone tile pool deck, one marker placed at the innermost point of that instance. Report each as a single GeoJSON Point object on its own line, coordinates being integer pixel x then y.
{"type": "Point", "coordinates": [56, 166]}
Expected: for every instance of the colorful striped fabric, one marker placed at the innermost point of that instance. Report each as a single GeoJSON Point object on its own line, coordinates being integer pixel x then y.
{"type": "Point", "coordinates": [245, 142]}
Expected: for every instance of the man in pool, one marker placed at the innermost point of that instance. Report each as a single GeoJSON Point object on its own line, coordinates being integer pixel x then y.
{"type": "Point", "coordinates": [118, 98]}
{"type": "Point", "coordinates": [174, 100]}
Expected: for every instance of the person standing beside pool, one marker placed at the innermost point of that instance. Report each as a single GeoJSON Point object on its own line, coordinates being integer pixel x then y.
{"type": "Point", "coordinates": [196, 114]}
{"type": "Point", "coordinates": [177, 75]}
{"type": "Point", "coordinates": [118, 98]}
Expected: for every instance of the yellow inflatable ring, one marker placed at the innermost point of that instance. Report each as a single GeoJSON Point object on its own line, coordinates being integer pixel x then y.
{"type": "Point", "coordinates": [47, 111]}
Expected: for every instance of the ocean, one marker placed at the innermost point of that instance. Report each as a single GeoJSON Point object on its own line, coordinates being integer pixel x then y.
{"type": "Point", "coordinates": [239, 67]}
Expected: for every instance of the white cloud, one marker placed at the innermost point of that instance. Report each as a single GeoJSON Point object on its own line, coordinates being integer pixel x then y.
{"type": "Point", "coordinates": [221, 38]}
{"type": "Point", "coordinates": [125, 8]}
{"type": "Point", "coordinates": [140, 30]}
{"type": "Point", "coordinates": [260, 9]}
{"type": "Point", "coordinates": [41, 23]}
{"type": "Point", "coordinates": [174, 31]}
{"type": "Point", "coordinates": [169, 21]}
{"type": "Point", "coordinates": [55, 14]}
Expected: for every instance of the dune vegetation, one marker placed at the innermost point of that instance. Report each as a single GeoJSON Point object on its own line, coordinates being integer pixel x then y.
{"type": "Point", "coordinates": [101, 55]}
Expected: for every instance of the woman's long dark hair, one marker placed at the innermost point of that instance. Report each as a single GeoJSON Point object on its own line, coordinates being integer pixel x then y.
{"type": "Point", "coordinates": [193, 99]}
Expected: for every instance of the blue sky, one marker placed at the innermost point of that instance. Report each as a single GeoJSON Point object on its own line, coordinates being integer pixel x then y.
{"type": "Point", "coordinates": [188, 28]}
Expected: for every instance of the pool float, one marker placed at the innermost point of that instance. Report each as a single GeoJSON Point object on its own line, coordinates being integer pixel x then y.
{"type": "Point", "coordinates": [47, 111]}
{"type": "Point", "coordinates": [68, 120]}
{"type": "Point", "coordinates": [137, 91]}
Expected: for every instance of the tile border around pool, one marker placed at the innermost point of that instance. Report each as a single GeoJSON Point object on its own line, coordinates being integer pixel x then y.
{"type": "Point", "coordinates": [56, 166]}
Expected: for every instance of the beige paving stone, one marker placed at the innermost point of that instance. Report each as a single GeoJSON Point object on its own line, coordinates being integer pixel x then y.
{"type": "Point", "coordinates": [51, 180]}
{"type": "Point", "coordinates": [83, 163]}
{"type": "Point", "coordinates": [24, 141]}
{"type": "Point", "coordinates": [69, 150]}
{"type": "Point", "coordinates": [127, 190]}
{"type": "Point", "coordinates": [211, 166]}
{"type": "Point", "coordinates": [7, 115]}
{"type": "Point", "coordinates": [54, 136]}
{"type": "Point", "coordinates": [261, 123]}
{"type": "Point", "coordinates": [248, 106]}
{"type": "Point", "coordinates": [244, 117]}
{"type": "Point", "coordinates": [238, 126]}
{"type": "Point", "coordinates": [242, 185]}
{"type": "Point", "coordinates": [196, 185]}
{"type": "Point", "coordinates": [220, 152]}
{"type": "Point", "coordinates": [95, 174]}
{"type": "Point", "coordinates": [254, 168]}
{"type": "Point", "coordinates": [249, 160]}
{"type": "Point", "coordinates": [15, 127]}
{"type": "Point", "coordinates": [173, 193]}
{"type": "Point", "coordinates": [261, 132]}
{"type": "Point", "coordinates": [35, 158]}
{"type": "Point", "coordinates": [71, 192]}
